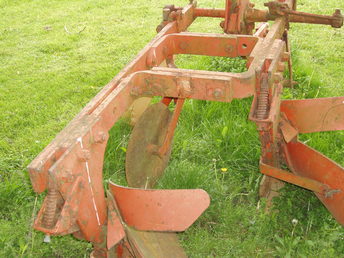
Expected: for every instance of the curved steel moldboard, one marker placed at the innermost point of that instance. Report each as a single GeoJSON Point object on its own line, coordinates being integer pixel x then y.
{"type": "Point", "coordinates": [310, 163]}
{"type": "Point", "coordinates": [159, 210]}
{"type": "Point", "coordinates": [315, 115]}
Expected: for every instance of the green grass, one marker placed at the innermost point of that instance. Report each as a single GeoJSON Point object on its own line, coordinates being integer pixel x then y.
{"type": "Point", "coordinates": [48, 75]}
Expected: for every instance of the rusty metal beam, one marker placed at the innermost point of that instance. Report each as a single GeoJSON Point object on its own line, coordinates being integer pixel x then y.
{"type": "Point", "coordinates": [286, 176]}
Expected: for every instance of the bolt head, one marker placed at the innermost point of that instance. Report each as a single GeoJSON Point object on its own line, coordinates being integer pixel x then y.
{"type": "Point", "coordinates": [218, 93]}
{"type": "Point", "coordinates": [281, 67]}
{"type": "Point", "coordinates": [135, 91]}
{"type": "Point", "coordinates": [286, 56]}
{"type": "Point", "coordinates": [278, 77]}
{"type": "Point", "coordinates": [185, 88]}
{"type": "Point", "coordinates": [84, 155]}
{"type": "Point", "coordinates": [100, 137]}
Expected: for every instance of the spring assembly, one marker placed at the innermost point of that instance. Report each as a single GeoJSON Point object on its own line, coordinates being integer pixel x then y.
{"type": "Point", "coordinates": [50, 209]}
{"type": "Point", "coordinates": [263, 99]}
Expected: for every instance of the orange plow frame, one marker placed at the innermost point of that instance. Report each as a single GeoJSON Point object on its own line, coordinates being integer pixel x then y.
{"type": "Point", "coordinates": [70, 167]}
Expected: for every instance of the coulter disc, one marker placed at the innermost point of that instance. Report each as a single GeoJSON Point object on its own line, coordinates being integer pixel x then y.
{"type": "Point", "coordinates": [143, 165]}
{"type": "Point", "coordinates": [143, 169]}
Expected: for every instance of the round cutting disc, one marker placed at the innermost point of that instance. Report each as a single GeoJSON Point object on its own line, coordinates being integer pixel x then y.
{"type": "Point", "coordinates": [144, 166]}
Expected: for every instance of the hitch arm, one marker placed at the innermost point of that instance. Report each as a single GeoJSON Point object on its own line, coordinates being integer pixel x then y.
{"type": "Point", "coordinates": [277, 9]}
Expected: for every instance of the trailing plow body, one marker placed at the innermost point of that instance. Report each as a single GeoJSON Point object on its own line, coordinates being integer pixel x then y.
{"type": "Point", "coordinates": [138, 221]}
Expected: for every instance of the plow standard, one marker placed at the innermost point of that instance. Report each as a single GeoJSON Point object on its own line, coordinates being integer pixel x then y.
{"type": "Point", "coordinates": [139, 221]}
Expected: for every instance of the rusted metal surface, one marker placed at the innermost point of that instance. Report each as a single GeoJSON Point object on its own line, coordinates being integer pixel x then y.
{"type": "Point", "coordinates": [136, 110]}
{"type": "Point", "coordinates": [144, 243]}
{"type": "Point", "coordinates": [154, 244]}
{"type": "Point", "coordinates": [237, 20]}
{"type": "Point", "coordinates": [144, 166]}
{"type": "Point", "coordinates": [70, 167]}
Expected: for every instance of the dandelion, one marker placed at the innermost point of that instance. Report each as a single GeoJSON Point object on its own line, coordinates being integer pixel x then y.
{"type": "Point", "coordinates": [224, 170]}
{"type": "Point", "coordinates": [294, 222]}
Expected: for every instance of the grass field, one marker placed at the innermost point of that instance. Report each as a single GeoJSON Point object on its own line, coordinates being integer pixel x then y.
{"type": "Point", "coordinates": [47, 75]}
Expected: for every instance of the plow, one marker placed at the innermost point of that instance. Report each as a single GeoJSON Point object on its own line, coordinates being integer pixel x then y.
{"type": "Point", "coordinates": [140, 221]}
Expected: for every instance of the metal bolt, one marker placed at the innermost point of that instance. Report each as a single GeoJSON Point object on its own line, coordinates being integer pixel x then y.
{"type": "Point", "coordinates": [179, 13]}
{"type": "Point", "coordinates": [153, 148]}
{"type": "Point", "coordinates": [222, 24]}
{"type": "Point", "coordinates": [172, 16]}
{"type": "Point", "coordinates": [169, 6]}
{"type": "Point", "coordinates": [278, 77]}
{"type": "Point", "coordinates": [285, 57]}
{"type": "Point", "coordinates": [100, 137]}
{"type": "Point", "coordinates": [183, 45]}
{"type": "Point", "coordinates": [135, 91]}
{"type": "Point", "coordinates": [338, 22]}
{"type": "Point", "coordinates": [84, 155]}
{"type": "Point", "coordinates": [229, 48]}
{"type": "Point", "coordinates": [281, 67]}
{"type": "Point", "coordinates": [165, 14]}
{"type": "Point", "coordinates": [159, 27]}
{"type": "Point", "coordinates": [184, 88]}
{"type": "Point", "coordinates": [218, 93]}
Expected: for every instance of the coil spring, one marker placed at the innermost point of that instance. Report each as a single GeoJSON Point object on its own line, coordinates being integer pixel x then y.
{"type": "Point", "coordinates": [50, 209]}
{"type": "Point", "coordinates": [263, 99]}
